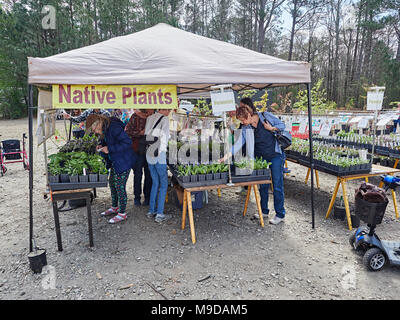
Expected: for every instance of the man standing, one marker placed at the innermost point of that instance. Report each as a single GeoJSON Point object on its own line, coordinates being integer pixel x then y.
{"type": "Point", "coordinates": [135, 130]}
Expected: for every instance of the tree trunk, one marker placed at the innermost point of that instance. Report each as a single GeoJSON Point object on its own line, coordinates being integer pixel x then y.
{"type": "Point", "coordinates": [294, 15]}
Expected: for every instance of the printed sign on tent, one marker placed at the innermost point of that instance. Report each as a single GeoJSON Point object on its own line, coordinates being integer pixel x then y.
{"type": "Point", "coordinates": [115, 96]}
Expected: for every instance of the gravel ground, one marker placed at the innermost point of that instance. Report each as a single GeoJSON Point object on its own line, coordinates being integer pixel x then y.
{"type": "Point", "coordinates": [234, 258]}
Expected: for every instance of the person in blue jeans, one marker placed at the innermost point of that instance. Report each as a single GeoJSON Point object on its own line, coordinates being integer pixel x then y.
{"type": "Point", "coordinates": [157, 129]}
{"type": "Point", "coordinates": [262, 126]}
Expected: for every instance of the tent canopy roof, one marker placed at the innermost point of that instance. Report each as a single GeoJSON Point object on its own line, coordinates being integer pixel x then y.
{"type": "Point", "coordinates": [163, 54]}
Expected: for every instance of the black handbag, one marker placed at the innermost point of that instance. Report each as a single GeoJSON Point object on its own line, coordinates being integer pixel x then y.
{"type": "Point", "coordinates": [284, 137]}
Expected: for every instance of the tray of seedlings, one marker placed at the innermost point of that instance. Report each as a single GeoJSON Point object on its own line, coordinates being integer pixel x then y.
{"type": "Point", "coordinates": [190, 176]}
{"type": "Point", "coordinates": [76, 166]}
{"type": "Point", "coordinates": [251, 170]}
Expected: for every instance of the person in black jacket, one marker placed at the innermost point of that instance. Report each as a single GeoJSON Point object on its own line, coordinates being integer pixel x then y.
{"type": "Point", "coordinates": [116, 149]}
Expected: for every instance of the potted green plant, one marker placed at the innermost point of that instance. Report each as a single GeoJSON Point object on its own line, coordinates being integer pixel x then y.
{"type": "Point", "coordinates": [103, 174]}
{"type": "Point", "coordinates": [215, 170]}
{"type": "Point", "coordinates": [54, 173]}
{"type": "Point", "coordinates": [209, 173]}
{"type": "Point", "coordinates": [202, 171]}
{"type": "Point", "coordinates": [184, 172]}
{"type": "Point", "coordinates": [224, 171]}
{"type": "Point", "coordinates": [194, 173]}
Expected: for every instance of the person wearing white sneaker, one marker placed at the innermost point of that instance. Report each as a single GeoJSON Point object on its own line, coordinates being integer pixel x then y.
{"type": "Point", "coordinates": [258, 129]}
{"type": "Point", "coordinates": [276, 220]}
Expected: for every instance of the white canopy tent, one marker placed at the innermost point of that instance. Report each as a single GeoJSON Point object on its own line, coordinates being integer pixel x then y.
{"type": "Point", "coordinates": [163, 54]}
{"type": "Point", "coordinates": [166, 55]}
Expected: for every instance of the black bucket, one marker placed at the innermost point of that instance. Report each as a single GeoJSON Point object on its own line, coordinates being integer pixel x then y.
{"type": "Point", "coordinates": [339, 213]}
{"type": "Point", "coordinates": [37, 260]}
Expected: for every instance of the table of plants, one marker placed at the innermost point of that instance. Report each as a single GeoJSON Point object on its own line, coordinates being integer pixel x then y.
{"type": "Point", "coordinates": [208, 173]}
{"type": "Point", "coordinates": [386, 146]}
{"type": "Point", "coordinates": [77, 166]}
{"type": "Point", "coordinates": [329, 158]}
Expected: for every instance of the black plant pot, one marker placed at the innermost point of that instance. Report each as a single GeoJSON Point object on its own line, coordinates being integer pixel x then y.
{"type": "Point", "coordinates": [185, 179]}
{"type": "Point", "coordinates": [193, 178]}
{"type": "Point", "coordinates": [54, 179]}
{"type": "Point", "coordinates": [64, 178]}
{"type": "Point", "coordinates": [355, 221]}
{"type": "Point", "coordinates": [339, 213]}
{"type": "Point", "coordinates": [37, 260]}
{"type": "Point", "coordinates": [217, 176]}
{"type": "Point", "coordinates": [103, 177]}
{"type": "Point", "coordinates": [93, 177]}
{"type": "Point", "coordinates": [260, 172]}
{"type": "Point", "coordinates": [202, 177]}
{"type": "Point", "coordinates": [224, 176]}
{"type": "Point", "coordinates": [74, 179]}
{"type": "Point", "coordinates": [83, 178]}
{"type": "Point", "coordinates": [209, 176]}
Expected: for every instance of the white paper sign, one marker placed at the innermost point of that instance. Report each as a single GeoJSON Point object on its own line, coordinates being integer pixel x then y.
{"type": "Point", "coordinates": [223, 101]}
{"type": "Point", "coordinates": [363, 123]}
{"type": "Point", "coordinates": [383, 122]}
{"type": "Point", "coordinates": [325, 129]}
{"type": "Point", "coordinates": [302, 127]}
{"type": "Point", "coordinates": [375, 98]}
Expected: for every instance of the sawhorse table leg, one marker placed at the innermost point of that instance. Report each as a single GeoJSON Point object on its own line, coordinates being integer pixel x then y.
{"type": "Point", "coordinates": [395, 203]}
{"type": "Point", "coordinates": [247, 200]}
{"type": "Point", "coordinates": [340, 181]}
{"type": "Point", "coordinates": [346, 204]}
{"type": "Point", "coordinates": [257, 196]}
{"type": "Point", "coordinates": [316, 176]}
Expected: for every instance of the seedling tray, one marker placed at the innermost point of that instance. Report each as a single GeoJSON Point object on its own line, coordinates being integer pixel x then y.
{"type": "Point", "coordinates": [248, 178]}
{"type": "Point", "coordinates": [79, 185]}
{"type": "Point", "coordinates": [201, 183]}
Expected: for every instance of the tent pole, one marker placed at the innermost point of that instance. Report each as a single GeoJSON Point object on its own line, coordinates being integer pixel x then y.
{"type": "Point", "coordinates": [311, 153]}
{"type": "Point", "coordinates": [30, 117]}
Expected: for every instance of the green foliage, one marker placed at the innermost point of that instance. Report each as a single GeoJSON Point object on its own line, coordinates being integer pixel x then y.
{"type": "Point", "coordinates": [202, 108]}
{"type": "Point", "coordinates": [73, 163]}
{"type": "Point", "coordinates": [246, 93]}
{"type": "Point", "coordinates": [319, 101]}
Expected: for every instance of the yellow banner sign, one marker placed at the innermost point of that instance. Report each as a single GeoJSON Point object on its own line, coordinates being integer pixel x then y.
{"type": "Point", "coordinates": [67, 96]}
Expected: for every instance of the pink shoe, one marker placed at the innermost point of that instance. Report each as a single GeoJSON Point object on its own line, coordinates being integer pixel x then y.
{"type": "Point", "coordinates": [118, 218]}
{"type": "Point", "coordinates": [109, 211]}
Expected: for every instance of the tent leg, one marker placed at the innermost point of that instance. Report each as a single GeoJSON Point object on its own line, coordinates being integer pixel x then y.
{"type": "Point", "coordinates": [311, 153]}
{"type": "Point", "coordinates": [30, 119]}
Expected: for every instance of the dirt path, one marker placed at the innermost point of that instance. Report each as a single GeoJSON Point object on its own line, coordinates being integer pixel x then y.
{"type": "Point", "coordinates": [234, 258]}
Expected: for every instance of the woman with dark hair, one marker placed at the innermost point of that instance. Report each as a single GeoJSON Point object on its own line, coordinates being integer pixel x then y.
{"type": "Point", "coordinates": [262, 126]}
{"type": "Point", "coordinates": [117, 151]}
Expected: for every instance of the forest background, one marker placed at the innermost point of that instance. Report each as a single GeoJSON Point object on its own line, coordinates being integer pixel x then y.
{"type": "Point", "coordinates": [351, 44]}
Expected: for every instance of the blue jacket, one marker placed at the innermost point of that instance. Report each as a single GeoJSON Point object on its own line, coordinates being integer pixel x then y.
{"type": "Point", "coordinates": [249, 136]}
{"type": "Point", "coordinates": [120, 156]}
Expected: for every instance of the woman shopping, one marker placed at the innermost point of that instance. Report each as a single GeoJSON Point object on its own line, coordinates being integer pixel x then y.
{"type": "Point", "coordinates": [262, 126]}
{"type": "Point", "coordinates": [157, 130]}
{"type": "Point", "coordinates": [116, 148]}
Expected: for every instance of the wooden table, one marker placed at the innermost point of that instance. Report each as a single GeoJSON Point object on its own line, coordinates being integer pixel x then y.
{"type": "Point", "coordinates": [376, 171]}
{"type": "Point", "coordinates": [71, 195]}
{"type": "Point", "coordinates": [187, 201]}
